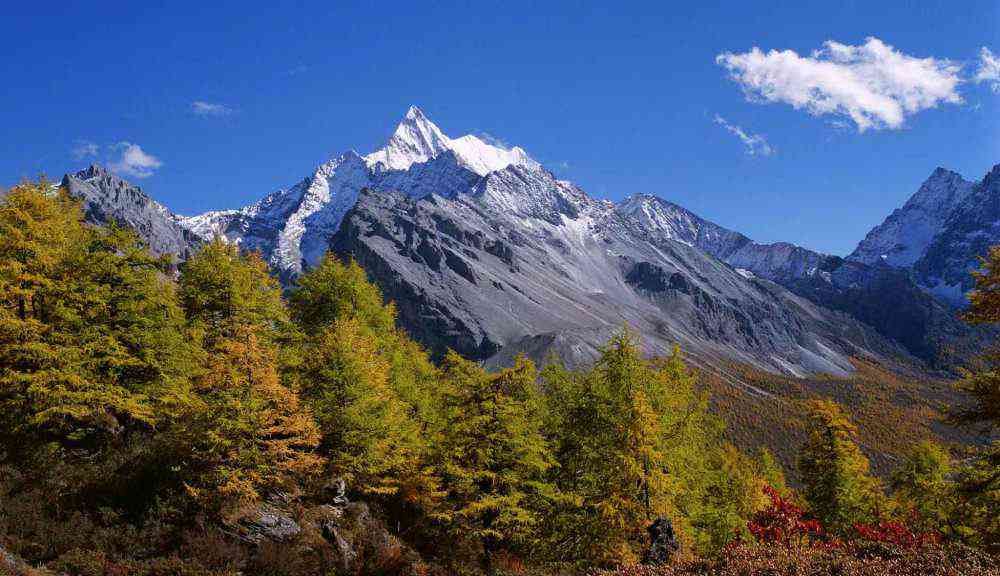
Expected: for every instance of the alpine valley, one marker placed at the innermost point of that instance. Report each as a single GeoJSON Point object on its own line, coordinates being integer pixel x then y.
{"type": "Point", "coordinates": [485, 252]}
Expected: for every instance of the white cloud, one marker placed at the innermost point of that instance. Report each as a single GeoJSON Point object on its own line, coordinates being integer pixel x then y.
{"type": "Point", "coordinates": [989, 69]}
{"type": "Point", "coordinates": [873, 84]}
{"type": "Point", "coordinates": [755, 143]}
{"type": "Point", "coordinates": [133, 161]}
{"type": "Point", "coordinates": [84, 149]}
{"type": "Point", "coordinates": [202, 108]}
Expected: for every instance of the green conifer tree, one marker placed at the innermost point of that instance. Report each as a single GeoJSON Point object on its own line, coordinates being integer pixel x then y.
{"type": "Point", "coordinates": [631, 436]}
{"type": "Point", "coordinates": [494, 455]}
{"type": "Point", "coordinates": [837, 486]}
{"type": "Point", "coordinates": [92, 344]}
{"type": "Point", "coordinates": [375, 391]}
{"type": "Point", "coordinates": [924, 490]}
{"type": "Point", "coordinates": [250, 434]}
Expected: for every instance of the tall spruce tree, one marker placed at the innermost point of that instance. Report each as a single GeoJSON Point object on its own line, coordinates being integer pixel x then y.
{"type": "Point", "coordinates": [374, 391]}
{"type": "Point", "coordinates": [91, 338]}
{"type": "Point", "coordinates": [924, 490]}
{"type": "Point", "coordinates": [837, 486]}
{"type": "Point", "coordinates": [979, 477]}
{"type": "Point", "coordinates": [494, 455]}
{"type": "Point", "coordinates": [250, 434]}
{"type": "Point", "coordinates": [630, 437]}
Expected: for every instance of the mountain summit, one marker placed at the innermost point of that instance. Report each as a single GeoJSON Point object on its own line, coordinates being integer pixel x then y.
{"type": "Point", "coordinates": [486, 252]}
{"type": "Point", "coordinates": [291, 227]}
{"type": "Point", "coordinates": [418, 140]}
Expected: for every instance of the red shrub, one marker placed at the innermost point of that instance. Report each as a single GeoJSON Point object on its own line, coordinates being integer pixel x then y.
{"type": "Point", "coordinates": [895, 533]}
{"type": "Point", "coordinates": [783, 523]}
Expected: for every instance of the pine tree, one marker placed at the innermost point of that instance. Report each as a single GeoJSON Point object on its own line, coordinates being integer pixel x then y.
{"type": "Point", "coordinates": [250, 434]}
{"type": "Point", "coordinates": [337, 291]}
{"type": "Point", "coordinates": [225, 292]}
{"type": "Point", "coordinates": [630, 437]}
{"type": "Point", "coordinates": [375, 391]}
{"type": "Point", "coordinates": [369, 434]}
{"type": "Point", "coordinates": [494, 454]}
{"type": "Point", "coordinates": [91, 339]}
{"type": "Point", "coordinates": [979, 478]}
{"type": "Point", "coordinates": [837, 486]}
{"type": "Point", "coordinates": [732, 492]}
{"type": "Point", "coordinates": [923, 488]}
{"type": "Point", "coordinates": [771, 473]}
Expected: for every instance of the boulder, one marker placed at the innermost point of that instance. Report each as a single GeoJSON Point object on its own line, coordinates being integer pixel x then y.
{"type": "Point", "coordinates": [267, 521]}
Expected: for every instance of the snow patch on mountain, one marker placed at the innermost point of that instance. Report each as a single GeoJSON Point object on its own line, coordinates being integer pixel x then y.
{"type": "Point", "coordinates": [292, 227]}
{"type": "Point", "coordinates": [666, 220]}
{"type": "Point", "coordinates": [417, 140]}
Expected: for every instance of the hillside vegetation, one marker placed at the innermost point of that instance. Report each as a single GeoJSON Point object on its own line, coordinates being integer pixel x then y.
{"type": "Point", "coordinates": [203, 422]}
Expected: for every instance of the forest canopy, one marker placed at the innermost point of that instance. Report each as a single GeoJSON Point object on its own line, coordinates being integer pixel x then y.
{"type": "Point", "coordinates": [154, 414]}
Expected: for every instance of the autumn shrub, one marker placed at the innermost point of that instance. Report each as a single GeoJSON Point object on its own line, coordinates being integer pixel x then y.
{"type": "Point", "coordinates": [784, 523]}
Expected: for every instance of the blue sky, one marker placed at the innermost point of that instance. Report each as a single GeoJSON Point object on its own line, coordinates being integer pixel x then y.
{"type": "Point", "coordinates": [229, 101]}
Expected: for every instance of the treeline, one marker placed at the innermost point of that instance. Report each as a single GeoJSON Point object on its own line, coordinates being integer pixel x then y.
{"type": "Point", "coordinates": [141, 407]}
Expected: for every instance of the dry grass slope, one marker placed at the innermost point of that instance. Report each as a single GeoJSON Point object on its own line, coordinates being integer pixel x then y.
{"type": "Point", "coordinates": [893, 410]}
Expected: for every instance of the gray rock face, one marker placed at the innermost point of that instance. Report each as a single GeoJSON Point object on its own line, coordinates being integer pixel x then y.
{"type": "Point", "coordinates": [526, 263]}
{"type": "Point", "coordinates": [966, 235]}
{"type": "Point", "coordinates": [269, 522]}
{"type": "Point", "coordinates": [887, 298]}
{"type": "Point", "coordinates": [905, 234]}
{"type": "Point", "coordinates": [108, 198]}
{"type": "Point", "coordinates": [485, 252]}
{"type": "Point", "coordinates": [778, 261]}
{"type": "Point", "coordinates": [939, 234]}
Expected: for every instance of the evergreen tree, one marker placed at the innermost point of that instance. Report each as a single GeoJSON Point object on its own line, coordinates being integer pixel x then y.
{"type": "Point", "coordinates": [837, 486]}
{"type": "Point", "coordinates": [979, 478]}
{"type": "Point", "coordinates": [494, 454]}
{"type": "Point", "coordinates": [771, 473]}
{"type": "Point", "coordinates": [369, 433]}
{"type": "Point", "coordinates": [91, 339]}
{"type": "Point", "coordinates": [250, 433]}
{"type": "Point", "coordinates": [630, 437]}
{"type": "Point", "coordinates": [923, 489]}
{"type": "Point", "coordinates": [337, 291]}
{"type": "Point", "coordinates": [373, 389]}
{"type": "Point", "coordinates": [983, 384]}
{"type": "Point", "coordinates": [225, 293]}
{"type": "Point", "coordinates": [733, 491]}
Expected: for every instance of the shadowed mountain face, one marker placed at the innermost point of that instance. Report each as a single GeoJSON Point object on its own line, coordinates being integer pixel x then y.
{"type": "Point", "coordinates": [966, 235]}
{"type": "Point", "coordinates": [484, 251]}
{"type": "Point", "coordinates": [890, 299]}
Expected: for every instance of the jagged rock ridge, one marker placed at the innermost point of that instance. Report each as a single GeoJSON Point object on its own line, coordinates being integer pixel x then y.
{"type": "Point", "coordinates": [491, 273]}
{"type": "Point", "coordinates": [106, 198]}
{"type": "Point", "coordinates": [440, 216]}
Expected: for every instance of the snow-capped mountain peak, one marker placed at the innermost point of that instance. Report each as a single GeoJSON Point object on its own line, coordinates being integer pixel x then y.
{"type": "Point", "coordinates": [905, 234]}
{"type": "Point", "coordinates": [417, 140]}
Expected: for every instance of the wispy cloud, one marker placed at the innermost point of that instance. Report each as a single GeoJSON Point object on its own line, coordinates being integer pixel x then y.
{"type": "Point", "coordinates": [873, 84]}
{"type": "Point", "coordinates": [989, 69]}
{"type": "Point", "coordinates": [202, 108]}
{"type": "Point", "coordinates": [755, 144]}
{"type": "Point", "coordinates": [85, 149]}
{"type": "Point", "coordinates": [134, 161]}
{"type": "Point", "coordinates": [494, 141]}
{"type": "Point", "coordinates": [296, 70]}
